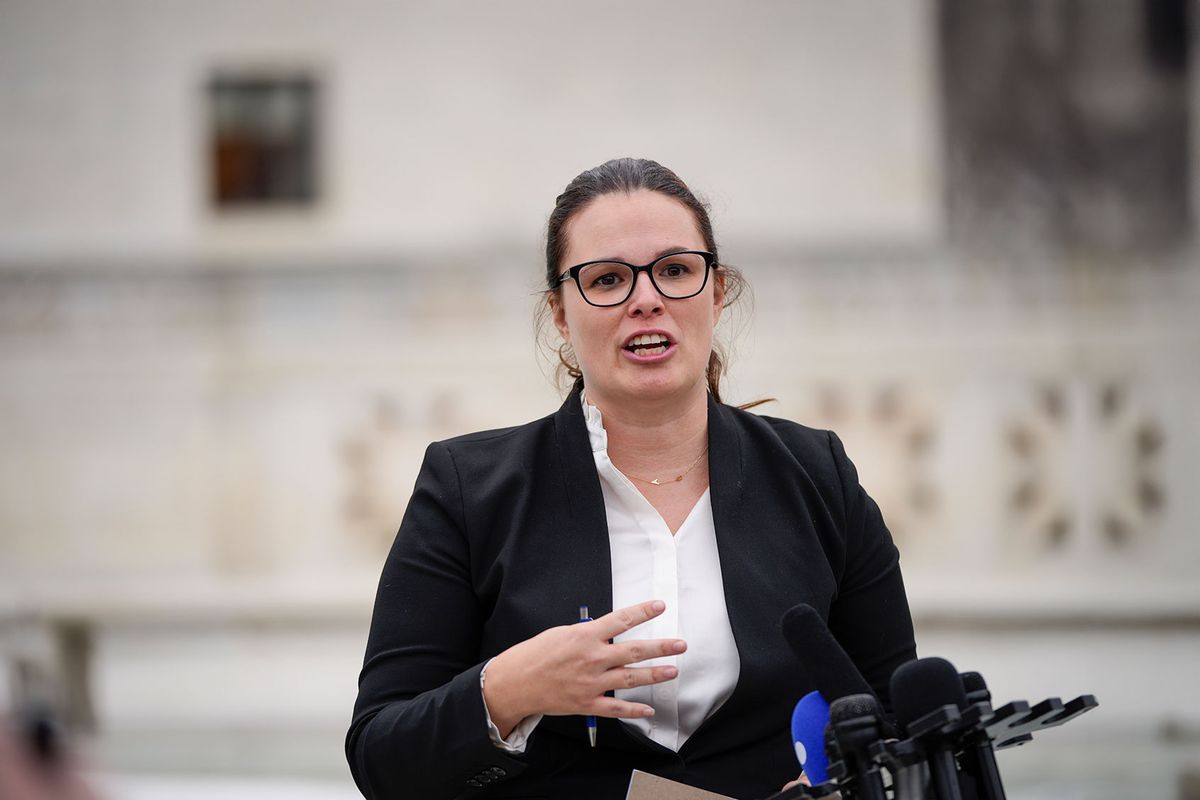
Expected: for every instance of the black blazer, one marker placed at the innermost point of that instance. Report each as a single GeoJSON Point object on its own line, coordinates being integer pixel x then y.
{"type": "Point", "coordinates": [506, 536]}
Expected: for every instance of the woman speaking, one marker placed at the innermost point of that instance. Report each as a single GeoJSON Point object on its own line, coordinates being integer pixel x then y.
{"type": "Point", "coordinates": [698, 522]}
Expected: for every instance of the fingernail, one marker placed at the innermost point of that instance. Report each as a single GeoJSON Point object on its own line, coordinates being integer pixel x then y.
{"type": "Point", "coordinates": [658, 605]}
{"type": "Point", "coordinates": [649, 712]}
{"type": "Point", "coordinates": [671, 672]}
{"type": "Point", "coordinates": [680, 646]}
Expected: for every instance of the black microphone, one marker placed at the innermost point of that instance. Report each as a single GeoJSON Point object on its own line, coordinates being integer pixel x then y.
{"type": "Point", "coordinates": [855, 725]}
{"type": "Point", "coordinates": [927, 695]}
{"type": "Point", "coordinates": [825, 662]}
{"type": "Point", "coordinates": [976, 688]}
{"type": "Point", "coordinates": [827, 666]}
{"type": "Point", "coordinates": [979, 756]}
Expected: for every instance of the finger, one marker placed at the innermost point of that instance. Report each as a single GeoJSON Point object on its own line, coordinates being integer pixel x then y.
{"type": "Point", "coordinates": [619, 655]}
{"type": "Point", "coordinates": [617, 622]}
{"type": "Point", "coordinates": [620, 709]}
{"type": "Point", "coordinates": [801, 781]}
{"type": "Point", "coordinates": [632, 677]}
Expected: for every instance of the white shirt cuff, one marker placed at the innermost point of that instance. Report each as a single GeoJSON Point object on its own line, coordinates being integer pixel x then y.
{"type": "Point", "coordinates": [517, 737]}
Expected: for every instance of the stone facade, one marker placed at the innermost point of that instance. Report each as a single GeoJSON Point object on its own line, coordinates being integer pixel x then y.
{"type": "Point", "coordinates": [212, 420]}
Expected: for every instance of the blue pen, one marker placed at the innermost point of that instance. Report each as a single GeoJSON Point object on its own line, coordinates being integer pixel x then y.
{"type": "Point", "coordinates": [584, 616]}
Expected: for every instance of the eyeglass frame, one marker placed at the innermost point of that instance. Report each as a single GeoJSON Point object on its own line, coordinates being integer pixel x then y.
{"type": "Point", "coordinates": [710, 264]}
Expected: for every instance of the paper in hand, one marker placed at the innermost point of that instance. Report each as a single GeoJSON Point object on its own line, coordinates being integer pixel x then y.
{"type": "Point", "coordinates": [644, 786]}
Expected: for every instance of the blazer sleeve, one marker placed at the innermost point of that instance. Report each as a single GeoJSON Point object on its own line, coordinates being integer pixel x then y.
{"type": "Point", "coordinates": [420, 728]}
{"type": "Point", "coordinates": [869, 615]}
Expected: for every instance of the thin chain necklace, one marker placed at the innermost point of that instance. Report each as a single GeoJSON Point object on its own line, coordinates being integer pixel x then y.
{"type": "Point", "coordinates": [677, 478]}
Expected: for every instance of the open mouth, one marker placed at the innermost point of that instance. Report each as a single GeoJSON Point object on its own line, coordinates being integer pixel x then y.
{"type": "Point", "coordinates": [650, 344]}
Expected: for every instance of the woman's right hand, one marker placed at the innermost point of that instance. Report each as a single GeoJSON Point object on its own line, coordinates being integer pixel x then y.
{"type": "Point", "coordinates": [567, 670]}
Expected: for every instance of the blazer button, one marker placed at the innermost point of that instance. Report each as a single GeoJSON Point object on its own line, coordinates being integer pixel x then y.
{"type": "Point", "coordinates": [474, 784]}
{"type": "Point", "coordinates": [497, 772]}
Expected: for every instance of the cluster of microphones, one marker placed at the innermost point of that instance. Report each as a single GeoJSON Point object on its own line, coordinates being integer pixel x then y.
{"type": "Point", "coordinates": [939, 743]}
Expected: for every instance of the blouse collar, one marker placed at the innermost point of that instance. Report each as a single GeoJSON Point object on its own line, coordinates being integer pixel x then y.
{"type": "Point", "coordinates": [597, 436]}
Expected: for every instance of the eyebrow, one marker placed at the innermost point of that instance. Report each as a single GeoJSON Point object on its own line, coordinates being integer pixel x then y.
{"type": "Point", "coordinates": [671, 248]}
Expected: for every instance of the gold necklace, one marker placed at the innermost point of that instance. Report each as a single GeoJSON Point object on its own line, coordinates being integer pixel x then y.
{"type": "Point", "coordinates": [679, 477]}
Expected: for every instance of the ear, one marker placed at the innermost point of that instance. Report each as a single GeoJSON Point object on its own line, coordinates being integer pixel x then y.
{"type": "Point", "coordinates": [718, 294]}
{"type": "Point", "coordinates": [559, 314]}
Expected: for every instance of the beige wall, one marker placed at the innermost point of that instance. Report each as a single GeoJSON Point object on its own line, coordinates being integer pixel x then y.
{"type": "Point", "coordinates": [460, 122]}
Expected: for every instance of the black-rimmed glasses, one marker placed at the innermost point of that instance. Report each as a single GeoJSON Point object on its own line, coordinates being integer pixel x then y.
{"type": "Point", "coordinates": [676, 276]}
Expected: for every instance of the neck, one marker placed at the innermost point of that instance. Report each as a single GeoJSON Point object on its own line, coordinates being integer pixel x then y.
{"type": "Point", "coordinates": [667, 433]}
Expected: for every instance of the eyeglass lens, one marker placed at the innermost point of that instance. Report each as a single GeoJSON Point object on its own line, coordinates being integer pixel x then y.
{"type": "Point", "coordinates": [676, 276]}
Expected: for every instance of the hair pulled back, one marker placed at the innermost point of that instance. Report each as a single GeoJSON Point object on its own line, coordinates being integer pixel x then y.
{"type": "Point", "coordinates": [628, 175]}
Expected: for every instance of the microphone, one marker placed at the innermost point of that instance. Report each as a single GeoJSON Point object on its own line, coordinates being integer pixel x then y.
{"type": "Point", "coordinates": [979, 756]}
{"type": "Point", "coordinates": [976, 688]}
{"type": "Point", "coordinates": [927, 695]}
{"type": "Point", "coordinates": [809, 719]}
{"type": "Point", "coordinates": [856, 725]}
{"type": "Point", "coordinates": [825, 662]}
{"type": "Point", "coordinates": [830, 669]}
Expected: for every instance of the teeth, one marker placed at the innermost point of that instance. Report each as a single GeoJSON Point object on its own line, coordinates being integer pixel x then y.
{"type": "Point", "coordinates": [650, 339]}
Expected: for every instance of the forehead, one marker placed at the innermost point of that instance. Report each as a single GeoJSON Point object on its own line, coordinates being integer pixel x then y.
{"type": "Point", "coordinates": [631, 227]}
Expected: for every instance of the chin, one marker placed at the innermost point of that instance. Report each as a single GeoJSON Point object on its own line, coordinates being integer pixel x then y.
{"type": "Point", "coordinates": [656, 386]}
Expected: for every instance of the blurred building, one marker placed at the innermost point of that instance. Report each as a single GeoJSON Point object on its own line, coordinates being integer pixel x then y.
{"type": "Point", "coordinates": [254, 256]}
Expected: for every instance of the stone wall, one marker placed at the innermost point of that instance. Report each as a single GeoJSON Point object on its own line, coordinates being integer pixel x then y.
{"type": "Point", "coordinates": [212, 420]}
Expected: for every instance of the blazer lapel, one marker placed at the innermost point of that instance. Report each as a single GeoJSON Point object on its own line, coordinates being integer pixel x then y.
{"type": "Point", "coordinates": [592, 565]}
{"type": "Point", "coordinates": [731, 520]}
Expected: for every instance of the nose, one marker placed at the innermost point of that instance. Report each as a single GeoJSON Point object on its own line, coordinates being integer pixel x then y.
{"type": "Point", "coordinates": [645, 299]}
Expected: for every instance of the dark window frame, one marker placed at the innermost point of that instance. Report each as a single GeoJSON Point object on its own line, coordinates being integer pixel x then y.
{"type": "Point", "coordinates": [263, 142]}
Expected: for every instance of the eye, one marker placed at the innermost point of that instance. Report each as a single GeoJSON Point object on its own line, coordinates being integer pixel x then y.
{"type": "Point", "coordinates": [606, 281]}
{"type": "Point", "coordinates": [674, 269]}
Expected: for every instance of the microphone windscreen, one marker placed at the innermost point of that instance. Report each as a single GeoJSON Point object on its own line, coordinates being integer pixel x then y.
{"type": "Point", "coordinates": [975, 687]}
{"type": "Point", "coordinates": [923, 685]}
{"type": "Point", "coordinates": [809, 719]}
{"type": "Point", "coordinates": [857, 706]}
{"type": "Point", "coordinates": [854, 706]}
{"type": "Point", "coordinates": [826, 663]}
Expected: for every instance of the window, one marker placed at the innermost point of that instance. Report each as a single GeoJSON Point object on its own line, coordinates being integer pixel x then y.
{"type": "Point", "coordinates": [262, 141]}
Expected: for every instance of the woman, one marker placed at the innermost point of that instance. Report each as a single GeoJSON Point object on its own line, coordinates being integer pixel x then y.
{"type": "Point", "coordinates": [701, 524]}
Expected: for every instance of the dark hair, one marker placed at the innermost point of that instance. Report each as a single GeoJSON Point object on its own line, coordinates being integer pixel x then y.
{"type": "Point", "coordinates": [629, 175]}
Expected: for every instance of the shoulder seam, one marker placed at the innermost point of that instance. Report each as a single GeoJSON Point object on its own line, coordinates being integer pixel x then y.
{"type": "Point", "coordinates": [462, 503]}
{"type": "Point", "coordinates": [829, 435]}
{"type": "Point", "coordinates": [483, 436]}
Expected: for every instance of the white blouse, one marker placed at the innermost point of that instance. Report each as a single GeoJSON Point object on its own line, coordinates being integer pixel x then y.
{"type": "Point", "coordinates": [684, 571]}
